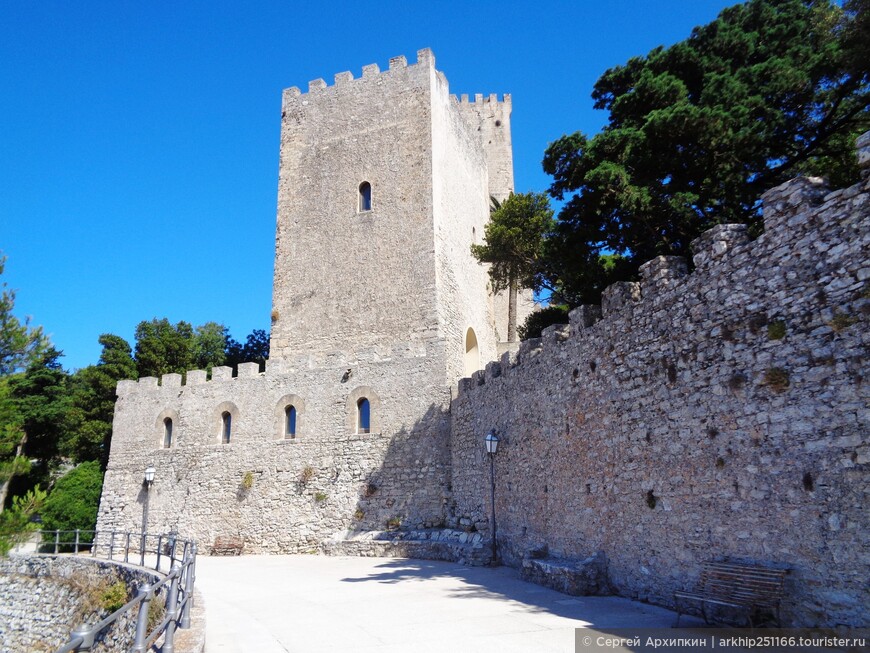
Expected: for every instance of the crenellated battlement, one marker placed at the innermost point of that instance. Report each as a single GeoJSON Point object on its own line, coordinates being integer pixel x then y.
{"type": "Point", "coordinates": [481, 99]}
{"type": "Point", "coordinates": [219, 374]}
{"type": "Point", "coordinates": [718, 412]}
{"type": "Point", "coordinates": [796, 215]}
{"type": "Point", "coordinates": [425, 59]}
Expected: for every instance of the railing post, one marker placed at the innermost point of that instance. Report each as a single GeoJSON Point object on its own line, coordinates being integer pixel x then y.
{"type": "Point", "coordinates": [142, 619]}
{"type": "Point", "coordinates": [94, 545]}
{"type": "Point", "coordinates": [56, 541]}
{"type": "Point", "coordinates": [87, 636]}
{"type": "Point", "coordinates": [172, 610]}
{"type": "Point", "coordinates": [127, 548]}
{"type": "Point", "coordinates": [76, 548]}
{"type": "Point", "coordinates": [112, 544]}
{"type": "Point", "coordinates": [189, 564]}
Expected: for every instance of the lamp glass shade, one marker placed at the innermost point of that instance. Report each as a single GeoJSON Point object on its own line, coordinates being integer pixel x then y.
{"type": "Point", "coordinates": [491, 441]}
{"type": "Point", "coordinates": [149, 475]}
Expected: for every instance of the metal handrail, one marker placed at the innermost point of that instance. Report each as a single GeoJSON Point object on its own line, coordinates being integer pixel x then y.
{"type": "Point", "coordinates": [180, 578]}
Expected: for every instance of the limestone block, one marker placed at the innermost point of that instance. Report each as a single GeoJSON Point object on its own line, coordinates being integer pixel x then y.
{"type": "Point", "coordinates": [661, 271]}
{"type": "Point", "coordinates": [196, 377]}
{"type": "Point", "coordinates": [618, 296]}
{"type": "Point", "coordinates": [247, 370]}
{"type": "Point", "coordinates": [783, 201]}
{"type": "Point", "coordinates": [221, 373]}
{"type": "Point", "coordinates": [587, 577]}
{"type": "Point", "coordinates": [125, 387]}
{"type": "Point", "coordinates": [584, 316]}
{"type": "Point", "coordinates": [170, 380]}
{"type": "Point", "coordinates": [717, 242]}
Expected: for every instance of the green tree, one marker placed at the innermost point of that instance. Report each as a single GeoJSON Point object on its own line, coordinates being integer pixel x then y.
{"type": "Point", "coordinates": [20, 343]}
{"type": "Point", "coordinates": [209, 346]}
{"type": "Point", "coordinates": [41, 400]}
{"type": "Point", "coordinates": [255, 350]}
{"type": "Point", "coordinates": [12, 439]}
{"type": "Point", "coordinates": [513, 246]}
{"type": "Point", "coordinates": [697, 131]}
{"type": "Point", "coordinates": [93, 400]}
{"type": "Point", "coordinates": [15, 523]}
{"type": "Point", "coordinates": [74, 500]}
{"type": "Point", "coordinates": [164, 348]}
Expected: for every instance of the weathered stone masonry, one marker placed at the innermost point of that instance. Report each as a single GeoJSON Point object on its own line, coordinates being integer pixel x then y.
{"type": "Point", "coordinates": [719, 413]}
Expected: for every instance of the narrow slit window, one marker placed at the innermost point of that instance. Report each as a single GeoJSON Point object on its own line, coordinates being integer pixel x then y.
{"type": "Point", "coordinates": [226, 427]}
{"type": "Point", "coordinates": [167, 433]}
{"type": "Point", "coordinates": [365, 197]}
{"type": "Point", "coordinates": [363, 416]}
{"type": "Point", "coordinates": [290, 422]}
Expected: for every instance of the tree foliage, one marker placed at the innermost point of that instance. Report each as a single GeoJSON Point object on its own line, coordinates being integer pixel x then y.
{"type": "Point", "coordinates": [255, 349]}
{"type": "Point", "coordinates": [42, 403]}
{"type": "Point", "coordinates": [93, 399]}
{"type": "Point", "coordinates": [513, 245]}
{"type": "Point", "coordinates": [16, 523]}
{"type": "Point", "coordinates": [20, 343]}
{"type": "Point", "coordinates": [12, 438]}
{"type": "Point", "coordinates": [163, 347]}
{"type": "Point", "coordinates": [697, 131]}
{"type": "Point", "coordinates": [74, 500]}
{"type": "Point", "coordinates": [540, 320]}
{"type": "Point", "coordinates": [209, 346]}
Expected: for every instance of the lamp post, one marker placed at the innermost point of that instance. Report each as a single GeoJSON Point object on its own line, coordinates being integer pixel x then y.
{"type": "Point", "coordinates": [491, 440]}
{"type": "Point", "coordinates": [147, 483]}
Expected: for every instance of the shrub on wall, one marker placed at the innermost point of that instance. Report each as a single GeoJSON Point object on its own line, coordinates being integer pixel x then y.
{"type": "Point", "coordinates": [540, 320]}
{"type": "Point", "coordinates": [74, 500]}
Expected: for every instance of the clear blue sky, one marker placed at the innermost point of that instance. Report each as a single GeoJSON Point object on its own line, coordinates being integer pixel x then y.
{"type": "Point", "coordinates": [139, 140]}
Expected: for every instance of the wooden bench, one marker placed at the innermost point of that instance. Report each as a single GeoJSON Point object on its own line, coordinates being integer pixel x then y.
{"type": "Point", "coordinates": [226, 545]}
{"type": "Point", "coordinates": [734, 585]}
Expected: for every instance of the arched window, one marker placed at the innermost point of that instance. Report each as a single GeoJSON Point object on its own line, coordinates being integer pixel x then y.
{"type": "Point", "coordinates": [167, 433]}
{"type": "Point", "coordinates": [290, 422]}
{"type": "Point", "coordinates": [363, 416]}
{"type": "Point", "coordinates": [226, 427]}
{"type": "Point", "coordinates": [365, 197]}
{"type": "Point", "coordinates": [472, 353]}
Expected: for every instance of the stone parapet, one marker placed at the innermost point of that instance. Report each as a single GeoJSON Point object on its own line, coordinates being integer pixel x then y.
{"type": "Point", "coordinates": [717, 413]}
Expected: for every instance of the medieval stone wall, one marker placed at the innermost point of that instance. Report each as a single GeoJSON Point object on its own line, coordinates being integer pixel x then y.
{"type": "Point", "coordinates": [300, 490]}
{"type": "Point", "coordinates": [44, 597]}
{"type": "Point", "coordinates": [719, 413]}
{"type": "Point", "coordinates": [460, 190]}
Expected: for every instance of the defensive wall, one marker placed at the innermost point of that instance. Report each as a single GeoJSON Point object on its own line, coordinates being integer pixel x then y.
{"type": "Point", "coordinates": [279, 493]}
{"type": "Point", "coordinates": [721, 413]}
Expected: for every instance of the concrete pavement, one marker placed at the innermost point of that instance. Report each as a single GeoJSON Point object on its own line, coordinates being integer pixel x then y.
{"type": "Point", "coordinates": [308, 603]}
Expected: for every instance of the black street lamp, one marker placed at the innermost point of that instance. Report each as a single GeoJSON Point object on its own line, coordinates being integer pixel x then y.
{"type": "Point", "coordinates": [491, 440]}
{"type": "Point", "coordinates": [147, 483]}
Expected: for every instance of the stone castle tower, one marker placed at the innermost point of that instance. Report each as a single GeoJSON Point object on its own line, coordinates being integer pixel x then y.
{"type": "Point", "coordinates": [385, 183]}
{"type": "Point", "coordinates": [378, 309]}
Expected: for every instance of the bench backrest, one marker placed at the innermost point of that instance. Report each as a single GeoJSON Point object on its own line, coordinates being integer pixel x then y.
{"type": "Point", "coordinates": [745, 584]}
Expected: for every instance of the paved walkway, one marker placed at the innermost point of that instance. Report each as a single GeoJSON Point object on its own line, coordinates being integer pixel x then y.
{"type": "Point", "coordinates": [279, 604]}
